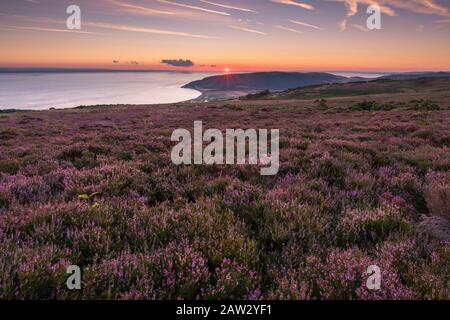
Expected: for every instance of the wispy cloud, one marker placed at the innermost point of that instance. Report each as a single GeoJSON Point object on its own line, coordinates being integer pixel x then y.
{"type": "Point", "coordinates": [416, 6]}
{"type": "Point", "coordinates": [360, 27]}
{"type": "Point", "coordinates": [420, 6]}
{"type": "Point", "coordinates": [353, 7]}
{"type": "Point", "coordinates": [12, 28]}
{"type": "Point", "coordinates": [295, 3]}
{"type": "Point", "coordinates": [140, 9]}
{"type": "Point", "coordinates": [288, 29]}
{"type": "Point", "coordinates": [445, 21]}
{"type": "Point", "coordinates": [227, 6]}
{"type": "Point", "coordinates": [249, 30]}
{"type": "Point", "coordinates": [183, 5]}
{"type": "Point", "coordinates": [145, 30]}
{"type": "Point", "coordinates": [101, 25]}
{"type": "Point", "coordinates": [32, 29]}
{"type": "Point", "coordinates": [386, 6]}
{"type": "Point", "coordinates": [343, 25]}
{"type": "Point", "coordinates": [305, 24]}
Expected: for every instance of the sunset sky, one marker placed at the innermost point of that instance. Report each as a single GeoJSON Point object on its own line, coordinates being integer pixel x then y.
{"type": "Point", "coordinates": [218, 34]}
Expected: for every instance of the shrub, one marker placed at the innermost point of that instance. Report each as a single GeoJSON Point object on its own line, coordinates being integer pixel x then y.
{"type": "Point", "coordinates": [437, 194]}
{"type": "Point", "coordinates": [233, 281]}
{"type": "Point", "coordinates": [366, 227]}
{"type": "Point", "coordinates": [9, 166]}
{"type": "Point", "coordinates": [176, 271]}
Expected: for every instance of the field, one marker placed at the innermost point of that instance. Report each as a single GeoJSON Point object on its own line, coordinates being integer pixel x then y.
{"type": "Point", "coordinates": [360, 184]}
{"type": "Point", "coordinates": [383, 89]}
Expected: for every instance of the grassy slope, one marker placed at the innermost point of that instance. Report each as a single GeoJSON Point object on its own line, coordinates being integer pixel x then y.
{"type": "Point", "coordinates": [406, 88]}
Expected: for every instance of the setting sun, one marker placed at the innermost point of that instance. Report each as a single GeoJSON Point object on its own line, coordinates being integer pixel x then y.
{"type": "Point", "coordinates": [227, 70]}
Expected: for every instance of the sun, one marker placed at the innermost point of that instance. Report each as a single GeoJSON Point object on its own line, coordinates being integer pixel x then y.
{"type": "Point", "coordinates": [227, 70]}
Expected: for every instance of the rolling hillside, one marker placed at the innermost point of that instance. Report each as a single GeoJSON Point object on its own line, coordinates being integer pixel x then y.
{"type": "Point", "coordinates": [413, 87]}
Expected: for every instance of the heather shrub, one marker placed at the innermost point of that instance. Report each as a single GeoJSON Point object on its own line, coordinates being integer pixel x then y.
{"type": "Point", "coordinates": [26, 190]}
{"type": "Point", "coordinates": [330, 169]}
{"type": "Point", "coordinates": [173, 272]}
{"type": "Point", "coordinates": [9, 166]}
{"type": "Point", "coordinates": [374, 106]}
{"type": "Point", "coordinates": [8, 133]}
{"type": "Point", "coordinates": [98, 189]}
{"type": "Point", "coordinates": [408, 186]}
{"type": "Point", "coordinates": [79, 156]}
{"type": "Point", "coordinates": [431, 278]}
{"type": "Point", "coordinates": [4, 197]}
{"type": "Point", "coordinates": [290, 284]}
{"type": "Point", "coordinates": [437, 194]}
{"type": "Point", "coordinates": [338, 276]}
{"type": "Point", "coordinates": [297, 227]}
{"type": "Point", "coordinates": [32, 273]}
{"type": "Point", "coordinates": [215, 233]}
{"type": "Point", "coordinates": [59, 181]}
{"type": "Point", "coordinates": [346, 277]}
{"type": "Point", "coordinates": [233, 281]}
{"type": "Point", "coordinates": [370, 226]}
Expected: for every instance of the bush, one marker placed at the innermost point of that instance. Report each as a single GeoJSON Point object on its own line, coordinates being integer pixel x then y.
{"type": "Point", "coordinates": [9, 166]}
{"type": "Point", "coordinates": [437, 195]}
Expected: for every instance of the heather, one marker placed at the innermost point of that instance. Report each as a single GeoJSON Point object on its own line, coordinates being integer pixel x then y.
{"type": "Point", "coordinates": [95, 187]}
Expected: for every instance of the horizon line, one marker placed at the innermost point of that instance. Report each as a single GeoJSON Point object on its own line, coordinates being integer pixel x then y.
{"type": "Point", "coordinates": [112, 70]}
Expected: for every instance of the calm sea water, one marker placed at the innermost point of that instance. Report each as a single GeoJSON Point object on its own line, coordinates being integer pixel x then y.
{"type": "Point", "coordinates": [41, 91]}
{"type": "Point", "coordinates": [368, 75]}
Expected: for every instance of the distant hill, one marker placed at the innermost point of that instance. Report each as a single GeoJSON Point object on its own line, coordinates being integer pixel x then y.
{"type": "Point", "coordinates": [274, 81]}
{"type": "Point", "coordinates": [366, 88]}
{"type": "Point", "coordinates": [415, 75]}
{"type": "Point", "coordinates": [256, 85]}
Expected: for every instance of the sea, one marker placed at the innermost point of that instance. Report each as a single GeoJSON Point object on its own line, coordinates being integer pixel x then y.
{"type": "Point", "coordinates": [60, 90]}
{"type": "Point", "coordinates": [42, 91]}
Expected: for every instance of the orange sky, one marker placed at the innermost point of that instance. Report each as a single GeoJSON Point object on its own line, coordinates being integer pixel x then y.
{"type": "Point", "coordinates": [241, 35]}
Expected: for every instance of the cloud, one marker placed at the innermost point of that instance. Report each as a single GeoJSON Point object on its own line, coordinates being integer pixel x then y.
{"type": "Point", "coordinates": [101, 25]}
{"type": "Point", "coordinates": [416, 6]}
{"type": "Point", "coordinates": [193, 7]}
{"type": "Point", "coordinates": [353, 7]}
{"type": "Point", "coordinates": [31, 29]}
{"type": "Point", "coordinates": [145, 30]}
{"type": "Point", "coordinates": [343, 25]}
{"type": "Point", "coordinates": [116, 61]}
{"type": "Point", "coordinates": [288, 29]}
{"type": "Point", "coordinates": [295, 3]}
{"type": "Point", "coordinates": [227, 6]}
{"type": "Point", "coordinates": [360, 27]}
{"type": "Point", "coordinates": [178, 63]}
{"type": "Point", "coordinates": [140, 9]}
{"type": "Point", "coordinates": [446, 21]}
{"type": "Point", "coordinates": [305, 24]}
{"type": "Point", "coordinates": [249, 30]}
{"type": "Point", "coordinates": [420, 6]}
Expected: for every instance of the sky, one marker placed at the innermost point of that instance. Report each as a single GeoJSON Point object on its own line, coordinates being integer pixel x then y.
{"type": "Point", "coordinates": [214, 35]}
